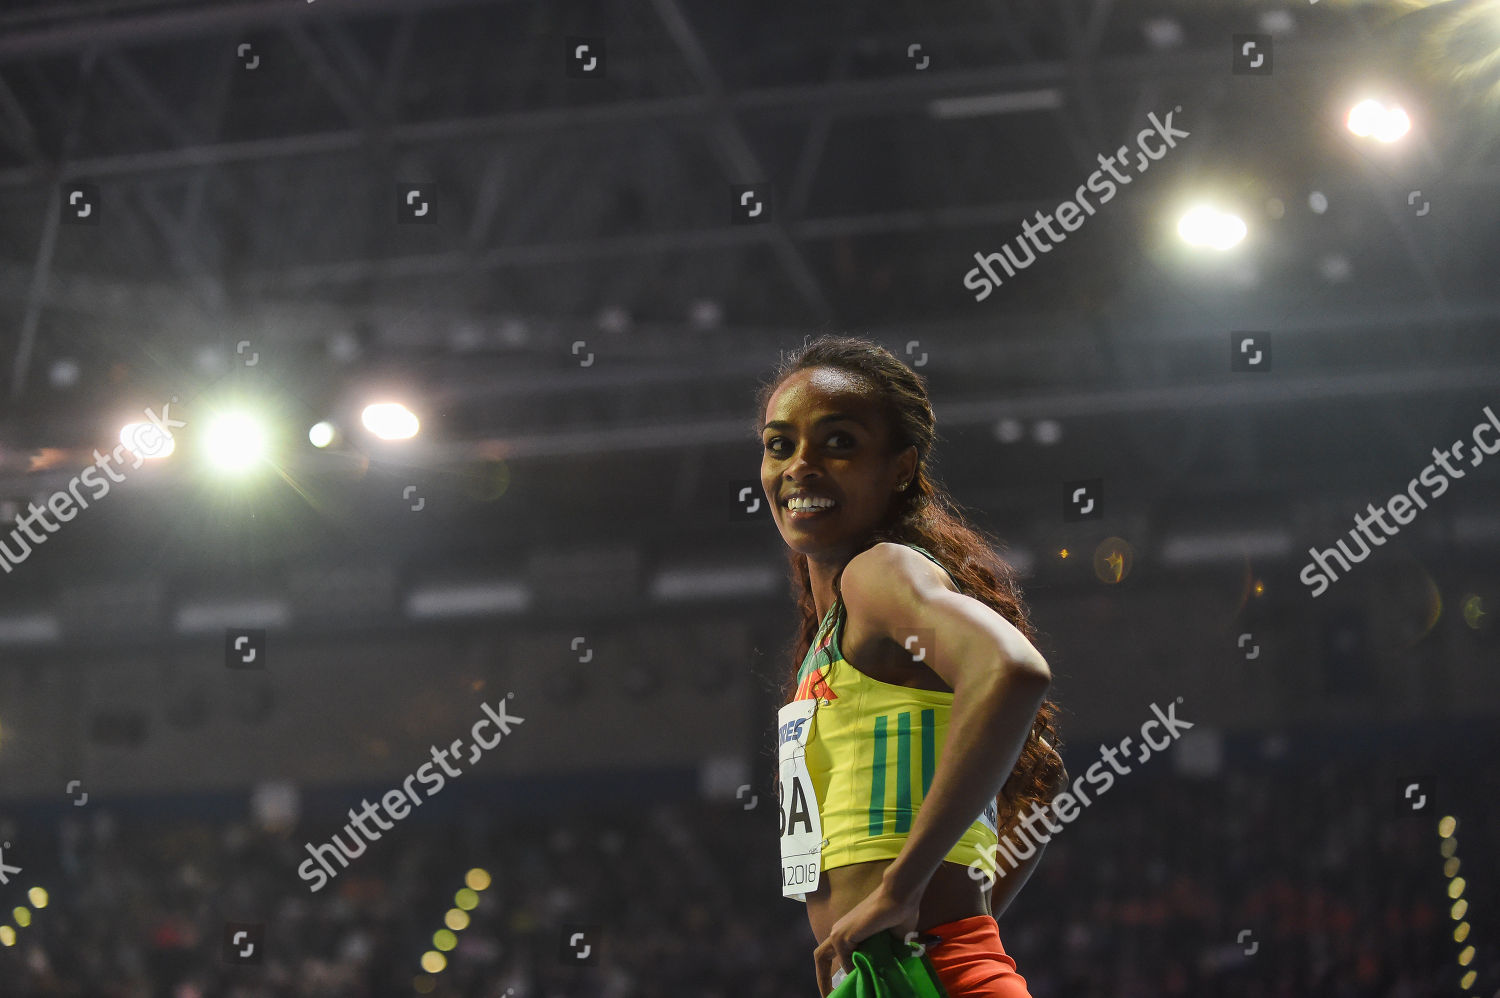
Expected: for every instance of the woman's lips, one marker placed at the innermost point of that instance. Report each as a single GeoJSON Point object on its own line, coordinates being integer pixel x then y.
{"type": "Point", "coordinates": [798, 515]}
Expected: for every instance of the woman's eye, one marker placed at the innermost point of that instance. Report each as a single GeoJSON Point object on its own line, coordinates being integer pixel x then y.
{"type": "Point", "coordinates": [837, 439]}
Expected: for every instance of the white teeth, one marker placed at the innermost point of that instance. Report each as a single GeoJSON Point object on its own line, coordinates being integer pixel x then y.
{"type": "Point", "coordinates": [797, 505]}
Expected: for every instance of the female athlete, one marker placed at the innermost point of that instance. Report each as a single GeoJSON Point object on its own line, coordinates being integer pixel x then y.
{"type": "Point", "coordinates": [920, 702]}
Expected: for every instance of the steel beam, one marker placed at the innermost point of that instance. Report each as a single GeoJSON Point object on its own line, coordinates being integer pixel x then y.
{"type": "Point", "coordinates": [802, 100]}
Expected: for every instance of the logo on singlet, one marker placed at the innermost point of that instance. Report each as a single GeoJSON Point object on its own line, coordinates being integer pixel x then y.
{"type": "Point", "coordinates": [813, 685]}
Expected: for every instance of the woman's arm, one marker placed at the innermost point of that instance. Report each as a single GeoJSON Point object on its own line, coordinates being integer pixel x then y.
{"type": "Point", "coordinates": [1009, 883]}
{"type": "Point", "coordinates": [1005, 888]}
{"type": "Point", "coordinates": [998, 677]}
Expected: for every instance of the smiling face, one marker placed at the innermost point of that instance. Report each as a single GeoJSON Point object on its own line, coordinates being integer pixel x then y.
{"type": "Point", "coordinates": [825, 438]}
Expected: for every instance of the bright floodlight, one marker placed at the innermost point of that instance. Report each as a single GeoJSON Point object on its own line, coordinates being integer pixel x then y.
{"type": "Point", "coordinates": [1395, 125]}
{"type": "Point", "coordinates": [321, 434]}
{"type": "Point", "coordinates": [1204, 226]}
{"type": "Point", "coordinates": [1371, 118]}
{"type": "Point", "coordinates": [390, 421]}
{"type": "Point", "coordinates": [234, 442]}
{"type": "Point", "coordinates": [1364, 117]}
{"type": "Point", "coordinates": [148, 440]}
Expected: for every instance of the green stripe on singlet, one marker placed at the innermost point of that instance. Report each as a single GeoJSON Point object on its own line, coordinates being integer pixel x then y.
{"type": "Point", "coordinates": [903, 771]}
{"type": "Point", "coordinates": [929, 750]}
{"type": "Point", "coordinates": [877, 780]}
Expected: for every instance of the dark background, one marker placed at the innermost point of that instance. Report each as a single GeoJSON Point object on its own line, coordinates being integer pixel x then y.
{"type": "Point", "coordinates": [581, 329]}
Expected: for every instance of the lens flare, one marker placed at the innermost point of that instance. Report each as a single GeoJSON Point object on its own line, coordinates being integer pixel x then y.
{"type": "Point", "coordinates": [1474, 612]}
{"type": "Point", "coordinates": [1112, 560]}
{"type": "Point", "coordinates": [390, 421]}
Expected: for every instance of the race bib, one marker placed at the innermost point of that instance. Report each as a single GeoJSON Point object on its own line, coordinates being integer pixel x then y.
{"type": "Point", "coordinates": [801, 827]}
{"type": "Point", "coordinates": [991, 818]}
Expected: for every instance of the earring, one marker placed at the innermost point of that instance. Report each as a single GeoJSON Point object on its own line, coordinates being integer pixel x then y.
{"type": "Point", "coordinates": [902, 486]}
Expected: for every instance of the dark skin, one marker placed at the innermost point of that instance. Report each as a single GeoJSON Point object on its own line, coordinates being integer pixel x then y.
{"type": "Point", "coordinates": [997, 677]}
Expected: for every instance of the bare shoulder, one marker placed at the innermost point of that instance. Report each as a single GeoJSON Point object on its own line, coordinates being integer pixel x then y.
{"type": "Point", "coordinates": [886, 587]}
{"type": "Point", "coordinates": [890, 584]}
{"type": "Point", "coordinates": [892, 592]}
{"type": "Point", "coordinates": [895, 568]}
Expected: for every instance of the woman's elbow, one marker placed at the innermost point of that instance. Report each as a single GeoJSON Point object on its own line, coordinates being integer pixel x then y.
{"type": "Point", "coordinates": [1031, 669]}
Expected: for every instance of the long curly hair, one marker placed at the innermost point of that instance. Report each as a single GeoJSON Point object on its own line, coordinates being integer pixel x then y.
{"type": "Point", "coordinates": [923, 514]}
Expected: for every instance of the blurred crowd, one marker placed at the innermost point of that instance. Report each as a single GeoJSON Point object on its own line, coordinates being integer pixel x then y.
{"type": "Point", "coordinates": [1274, 880]}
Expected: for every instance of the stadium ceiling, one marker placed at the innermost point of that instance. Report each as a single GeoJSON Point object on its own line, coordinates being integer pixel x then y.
{"type": "Point", "coordinates": [247, 157]}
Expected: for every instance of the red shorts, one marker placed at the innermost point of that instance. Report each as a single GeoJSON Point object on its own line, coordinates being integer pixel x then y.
{"type": "Point", "coordinates": [970, 961]}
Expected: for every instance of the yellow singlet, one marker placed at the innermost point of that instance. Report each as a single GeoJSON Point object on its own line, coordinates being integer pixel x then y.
{"type": "Point", "coordinates": [872, 749]}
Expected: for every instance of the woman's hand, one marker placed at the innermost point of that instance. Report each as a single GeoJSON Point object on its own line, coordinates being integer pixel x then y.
{"type": "Point", "coordinates": [880, 910]}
